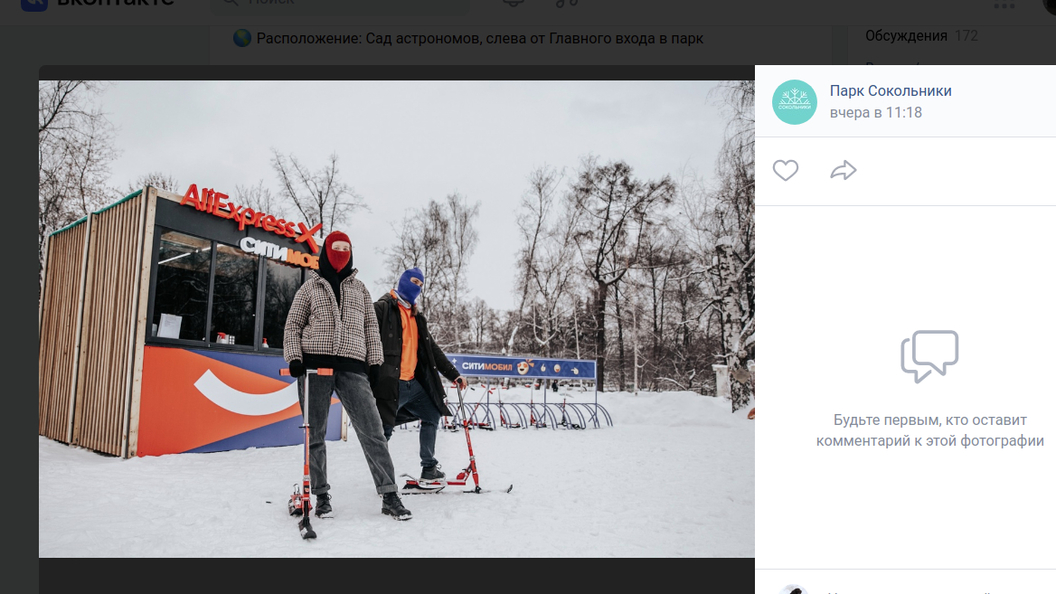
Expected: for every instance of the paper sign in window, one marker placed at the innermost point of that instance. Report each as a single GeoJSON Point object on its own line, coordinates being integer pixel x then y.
{"type": "Point", "coordinates": [170, 326]}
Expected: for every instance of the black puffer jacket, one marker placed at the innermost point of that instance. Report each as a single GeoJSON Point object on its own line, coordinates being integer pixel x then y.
{"type": "Point", "coordinates": [431, 360]}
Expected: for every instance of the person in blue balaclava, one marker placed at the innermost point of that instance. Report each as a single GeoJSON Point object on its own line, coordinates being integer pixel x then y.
{"type": "Point", "coordinates": [406, 385]}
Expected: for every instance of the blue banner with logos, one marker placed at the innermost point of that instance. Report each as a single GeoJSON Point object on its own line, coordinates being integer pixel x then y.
{"type": "Point", "coordinates": [488, 366]}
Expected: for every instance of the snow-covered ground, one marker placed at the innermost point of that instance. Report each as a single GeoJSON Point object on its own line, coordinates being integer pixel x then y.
{"type": "Point", "coordinates": [673, 477]}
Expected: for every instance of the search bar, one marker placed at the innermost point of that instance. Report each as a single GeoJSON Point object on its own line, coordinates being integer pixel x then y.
{"type": "Point", "coordinates": [288, 8]}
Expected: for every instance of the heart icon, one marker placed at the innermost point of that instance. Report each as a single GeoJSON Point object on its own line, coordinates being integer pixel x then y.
{"type": "Point", "coordinates": [786, 169]}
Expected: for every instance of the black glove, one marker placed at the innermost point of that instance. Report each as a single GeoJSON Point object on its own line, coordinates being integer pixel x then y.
{"type": "Point", "coordinates": [372, 374]}
{"type": "Point", "coordinates": [296, 368]}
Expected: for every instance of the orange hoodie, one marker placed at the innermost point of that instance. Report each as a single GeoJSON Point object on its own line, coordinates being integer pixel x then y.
{"type": "Point", "coordinates": [409, 356]}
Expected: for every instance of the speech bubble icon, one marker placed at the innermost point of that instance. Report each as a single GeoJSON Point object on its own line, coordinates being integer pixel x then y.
{"type": "Point", "coordinates": [937, 349]}
{"type": "Point", "coordinates": [907, 355]}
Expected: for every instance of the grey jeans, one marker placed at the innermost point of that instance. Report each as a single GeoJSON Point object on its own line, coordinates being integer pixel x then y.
{"type": "Point", "coordinates": [353, 390]}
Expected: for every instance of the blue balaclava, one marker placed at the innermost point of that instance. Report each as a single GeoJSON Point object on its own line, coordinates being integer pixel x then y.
{"type": "Point", "coordinates": [407, 290]}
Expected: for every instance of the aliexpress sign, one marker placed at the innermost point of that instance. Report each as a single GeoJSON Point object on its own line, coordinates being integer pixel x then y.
{"type": "Point", "coordinates": [213, 202]}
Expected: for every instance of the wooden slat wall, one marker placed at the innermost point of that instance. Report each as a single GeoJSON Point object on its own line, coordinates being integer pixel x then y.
{"type": "Point", "coordinates": [56, 368]}
{"type": "Point", "coordinates": [108, 321]}
{"type": "Point", "coordinates": [136, 383]}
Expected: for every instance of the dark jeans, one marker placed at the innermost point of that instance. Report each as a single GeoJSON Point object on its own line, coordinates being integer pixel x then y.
{"type": "Point", "coordinates": [415, 401]}
{"type": "Point", "coordinates": [353, 390]}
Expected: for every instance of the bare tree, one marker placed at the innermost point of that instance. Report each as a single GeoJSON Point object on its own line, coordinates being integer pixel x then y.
{"type": "Point", "coordinates": [74, 149]}
{"type": "Point", "coordinates": [261, 199]}
{"type": "Point", "coordinates": [440, 239]}
{"type": "Point", "coordinates": [634, 295]}
{"type": "Point", "coordinates": [484, 324]}
{"type": "Point", "coordinates": [462, 239]}
{"type": "Point", "coordinates": [615, 207]}
{"type": "Point", "coordinates": [536, 204]}
{"type": "Point", "coordinates": [617, 301]}
{"type": "Point", "coordinates": [155, 179]}
{"type": "Point", "coordinates": [735, 268]}
{"type": "Point", "coordinates": [712, 284]}
{"type": "Point", "coordinates": [319, 195]}
{"type": "Point", "coordinates": [544, 275]}
{"type": "Point", "coordinates": [643, 305]}
{"type": "Point", "coordinates": [415, 246]}
{"type": "Point", "coordinates": [731, 235]}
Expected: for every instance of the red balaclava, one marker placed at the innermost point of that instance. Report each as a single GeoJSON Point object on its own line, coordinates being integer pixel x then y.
{"type": "Point", "coordinates": [337, 259]}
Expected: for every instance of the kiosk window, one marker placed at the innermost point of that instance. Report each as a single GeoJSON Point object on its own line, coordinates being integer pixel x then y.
{"type": "Point", "coordinates": [180, 301]}
{"type": "Point", "coordinates": [281, 284]}
{"type": "Point", "coordinates": [234, 296]}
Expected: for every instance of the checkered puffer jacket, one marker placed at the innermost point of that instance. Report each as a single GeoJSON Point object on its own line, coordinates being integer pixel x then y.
{"type": "Point", "coordinates": [315, 325]}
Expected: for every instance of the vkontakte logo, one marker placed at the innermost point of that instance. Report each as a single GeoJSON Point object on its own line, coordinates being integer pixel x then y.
{"type": "Point", "coordinates": [34, 5]}
{"type": "Point", "coordinates": [795, 102]}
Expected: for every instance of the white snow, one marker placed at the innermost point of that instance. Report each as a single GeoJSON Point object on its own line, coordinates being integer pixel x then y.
{"type": "Point", "coordinates": [673, 477]}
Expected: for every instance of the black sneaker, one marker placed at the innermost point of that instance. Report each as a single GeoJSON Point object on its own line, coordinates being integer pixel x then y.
{"type": "Point", "coordinates": [322, 505]}
{"type": "Point", "coordinates": [432, 474]}
{"type": "Point", "coordinates": [392, 506]}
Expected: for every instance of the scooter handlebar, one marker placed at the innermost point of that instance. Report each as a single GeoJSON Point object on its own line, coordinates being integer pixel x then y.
{"type": "Point", "coordinates": [320, 371]}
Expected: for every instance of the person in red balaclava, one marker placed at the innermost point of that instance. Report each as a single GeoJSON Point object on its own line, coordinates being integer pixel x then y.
{"type": "Point", "coordinates": [331, 323]}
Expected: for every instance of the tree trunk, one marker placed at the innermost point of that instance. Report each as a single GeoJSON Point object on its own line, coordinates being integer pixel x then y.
{"type": "Point", "coordinates": [636, 369]}
{"type": "Point", "coordinates": [599, 315]}
{"type": "Point", "coordinates": [656, 329]}
{"type": "Point", "coordinates": [634, 345]}
{"type": "Point", "coordinates": [732, 325]}
{"type": "Point", "coordinates": [575, 324]}
{"type": "Point", "coordinates": [619, 340]}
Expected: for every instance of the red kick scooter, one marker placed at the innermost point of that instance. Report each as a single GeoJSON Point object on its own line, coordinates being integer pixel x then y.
{"type": "Point", "coordinates": [300, 504]}
{"type": "Point", "coordinates": [413, 485]}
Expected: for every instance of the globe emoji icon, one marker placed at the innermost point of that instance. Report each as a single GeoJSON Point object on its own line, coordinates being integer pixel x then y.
{"type": "Point", "coordinates": [242, 38]}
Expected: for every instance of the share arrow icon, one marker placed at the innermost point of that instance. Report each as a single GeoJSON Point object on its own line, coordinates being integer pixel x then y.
{"type": "Point", "coordinates": [846, 170]}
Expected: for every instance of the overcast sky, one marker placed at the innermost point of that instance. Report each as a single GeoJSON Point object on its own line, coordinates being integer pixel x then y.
{"type": "Point", "coordinates": [401, 144]}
